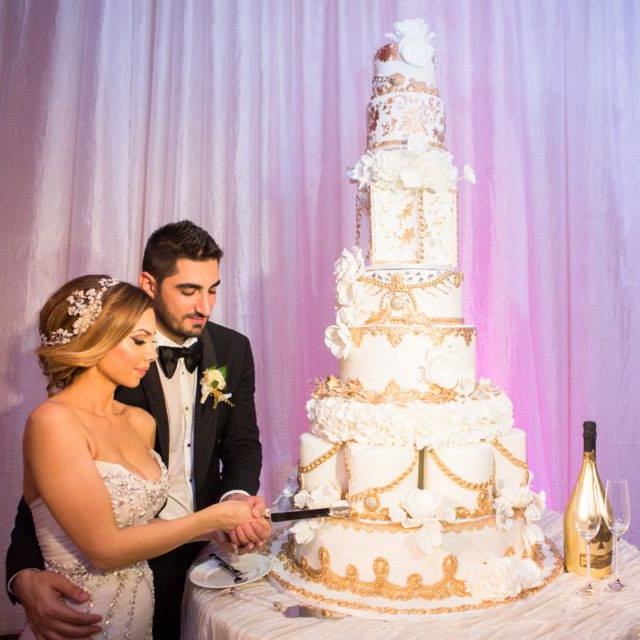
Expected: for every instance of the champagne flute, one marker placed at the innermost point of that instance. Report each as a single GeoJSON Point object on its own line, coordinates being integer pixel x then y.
{"type": "Point", "coordinates": [587, 523]}
{"type": "Point", "coordinates": [617, 515]}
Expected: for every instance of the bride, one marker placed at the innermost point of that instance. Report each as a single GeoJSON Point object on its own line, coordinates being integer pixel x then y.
{"type": "Point", "coordinates": [91, 477]}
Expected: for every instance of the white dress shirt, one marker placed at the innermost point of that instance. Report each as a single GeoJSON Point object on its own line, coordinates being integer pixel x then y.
{"type": "Point", "coordinates": [179, 397]}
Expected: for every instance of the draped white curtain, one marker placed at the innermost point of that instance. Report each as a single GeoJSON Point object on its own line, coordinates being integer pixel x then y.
{"type": "Point", "coordinates": [117, 117]}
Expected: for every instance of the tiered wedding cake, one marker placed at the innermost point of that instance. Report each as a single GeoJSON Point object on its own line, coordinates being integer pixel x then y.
{"type": "Point", "coordinates": [442, 516]}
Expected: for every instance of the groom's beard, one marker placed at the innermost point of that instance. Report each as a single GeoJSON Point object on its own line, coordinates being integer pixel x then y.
{"type": "Point", "coordinates": [179, 325]}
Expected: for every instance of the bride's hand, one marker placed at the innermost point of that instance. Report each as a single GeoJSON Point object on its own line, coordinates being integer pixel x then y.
{"type": "Point", "coordinates": [229, 514]}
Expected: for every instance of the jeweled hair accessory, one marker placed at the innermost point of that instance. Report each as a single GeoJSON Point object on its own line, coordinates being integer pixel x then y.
{"type": "Point", "coordinates": [87, 305]}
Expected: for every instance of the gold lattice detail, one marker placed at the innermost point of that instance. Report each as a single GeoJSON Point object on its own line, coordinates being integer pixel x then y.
{"type": "Point", "coordinates": [373, 492]}
{"type": "Point", "coordinates": [321, 459]}
{"type": "Point", "coordinates": [446, 587]}
{"type": "Point", "coordinates": [332, 387]}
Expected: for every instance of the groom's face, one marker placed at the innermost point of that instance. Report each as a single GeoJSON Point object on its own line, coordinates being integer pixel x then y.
{"type": "Point", "coordinates": [184, 301]}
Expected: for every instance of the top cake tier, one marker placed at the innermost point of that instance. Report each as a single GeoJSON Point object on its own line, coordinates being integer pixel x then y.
{"type": "Point", "coordinates": [405, 97]}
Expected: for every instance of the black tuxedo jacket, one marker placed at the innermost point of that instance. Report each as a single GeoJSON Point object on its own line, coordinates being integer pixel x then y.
{"type": "Point", "coordinates": [227, 451]}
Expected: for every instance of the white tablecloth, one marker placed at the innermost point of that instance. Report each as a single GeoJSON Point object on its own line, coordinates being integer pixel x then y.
{"type": "Point", "coordinates": [556, 613]}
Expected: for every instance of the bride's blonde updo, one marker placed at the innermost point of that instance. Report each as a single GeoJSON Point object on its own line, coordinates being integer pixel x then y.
{"type": "Point", "coordinates": [82, 321]}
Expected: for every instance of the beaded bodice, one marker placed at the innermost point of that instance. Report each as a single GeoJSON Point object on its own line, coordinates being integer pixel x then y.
{"type": "Point", "coordinates": [124, 597]}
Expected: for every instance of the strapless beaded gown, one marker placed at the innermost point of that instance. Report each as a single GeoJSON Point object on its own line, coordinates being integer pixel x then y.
{"type": "Point", "coordinates": [123, 597]}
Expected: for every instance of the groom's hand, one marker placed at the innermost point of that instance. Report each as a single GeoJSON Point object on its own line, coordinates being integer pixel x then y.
{"type": "Point", "coordinates": [251, 535]}
{"type": "Point", "coordinates": [50, 618]}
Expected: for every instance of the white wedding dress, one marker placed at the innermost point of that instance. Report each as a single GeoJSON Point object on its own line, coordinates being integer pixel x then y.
{"type": "Point", "coordinates": [123, 597]}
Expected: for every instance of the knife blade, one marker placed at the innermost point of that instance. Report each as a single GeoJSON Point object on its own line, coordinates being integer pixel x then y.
{"type": "Point", "coordinates": [303, 514]}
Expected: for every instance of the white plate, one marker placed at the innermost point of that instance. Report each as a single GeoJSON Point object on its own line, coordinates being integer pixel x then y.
{"type": "Point", "coordinates": [210, 575]}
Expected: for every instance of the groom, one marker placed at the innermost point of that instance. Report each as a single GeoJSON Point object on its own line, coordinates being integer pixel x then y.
{"type": "Point", "coordinates": [212, 454]}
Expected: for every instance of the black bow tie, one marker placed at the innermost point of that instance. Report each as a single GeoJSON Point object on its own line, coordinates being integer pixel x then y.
{"type": "Point", "coordinates": [169, 356]}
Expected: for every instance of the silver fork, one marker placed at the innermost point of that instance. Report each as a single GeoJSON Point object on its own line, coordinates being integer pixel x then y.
{"type": "Point", "coordinates": [238, 576]}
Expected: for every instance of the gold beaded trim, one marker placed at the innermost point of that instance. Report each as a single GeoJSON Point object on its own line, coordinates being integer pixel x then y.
{"type": "Point", "coordinates": [395, 334]}
{"type": "Point", "coordinates": [373, 492]}
{"type": "Point", "coordinates": [446, 587]}
{"type": "Point", "coordinates": [516, 462]}
{"type": "Point", "coordinates": [396, 285]}
{"type": "Point", "coordinates": [461, 482]}
{"type": "Point", "coordinates": [332, 387]}
{"type": "Point", "coordinates": [484, 498]}
{"type": "Point", "coordinates": [485, 604]}
{"type": "Point", "coordinates": [320, 460]}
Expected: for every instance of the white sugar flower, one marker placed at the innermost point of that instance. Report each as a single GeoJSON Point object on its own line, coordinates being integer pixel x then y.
{"type": "Point", "coordinates": [469, 175]}
{"type": "Point", "coordinates": [413, 38]}
{"type": "Point", "coordinates": [350, 265]}
{"type": "Point", "coordinates": [496, 578]}
{"type": "Point", "coordinates": [536, 507]}
{"type": "Point", "coordinates": [304, 531]}
{"type": "Point", "coordinates": [417, 144]}
{"type": "Point", "coordinates": [301, 498]}
{"type": "Point", "coordinates": [532, 534]}
{"type": "Point", "coordinates": [430, 536]}
{"type": "Point", "coordinates": [338, 338]}
{"type": "Point", "coordinates": [504, 514]}
{"type": "Point", "coordinates": [347, 292]}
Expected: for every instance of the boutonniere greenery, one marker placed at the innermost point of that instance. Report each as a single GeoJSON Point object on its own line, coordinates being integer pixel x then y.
{"type": "Point", "coordinates": [213, 383]}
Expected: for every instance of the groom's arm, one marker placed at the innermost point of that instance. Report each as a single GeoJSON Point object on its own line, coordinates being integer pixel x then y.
{"type": "Point", "coordinates": [24, 551]}
{"type": "Point", "coordinates": [240, 449]}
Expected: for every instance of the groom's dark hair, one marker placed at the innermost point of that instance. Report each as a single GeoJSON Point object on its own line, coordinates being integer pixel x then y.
{"type": "Point", "coordinates": [176, 240]}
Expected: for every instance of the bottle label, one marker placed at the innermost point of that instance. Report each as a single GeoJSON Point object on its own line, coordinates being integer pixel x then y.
{"type": "Point", "coordinates": [600, 561]}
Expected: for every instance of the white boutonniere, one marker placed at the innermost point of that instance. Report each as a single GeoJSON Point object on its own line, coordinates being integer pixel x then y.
{"type": "Point", "coordinates": [213, 383]}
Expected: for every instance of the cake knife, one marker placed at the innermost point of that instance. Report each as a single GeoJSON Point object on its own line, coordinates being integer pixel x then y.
{"type": "Point", "coordinates": [303, 514]}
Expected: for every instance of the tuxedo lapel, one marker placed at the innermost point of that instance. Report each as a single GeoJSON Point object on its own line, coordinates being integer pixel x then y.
{"type": "Point", "coordinates": [205, 430]}
{"type": "Point", "coordinates": [152, 388]}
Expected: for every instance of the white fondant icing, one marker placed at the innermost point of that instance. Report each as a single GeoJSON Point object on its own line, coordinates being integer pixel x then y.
{"type": "Point", "coordinates": [331, 470]}
{"type": "Point", "coordinates": [376, 361]}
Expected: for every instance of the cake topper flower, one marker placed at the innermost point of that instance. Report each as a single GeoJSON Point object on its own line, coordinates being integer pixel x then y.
{"type": "Point", "coordinates": [414, 41]}
{"type": "Point", "coordinates": [213, 383]}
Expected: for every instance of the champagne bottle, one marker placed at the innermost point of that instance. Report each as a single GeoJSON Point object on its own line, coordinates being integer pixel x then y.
{"type": "Point", "coordinates": [575, 547]}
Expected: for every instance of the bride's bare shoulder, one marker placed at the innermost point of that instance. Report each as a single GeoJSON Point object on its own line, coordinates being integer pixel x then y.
{"type": "Point", "coordinates": [142, 421]}
{"type": "Point", "coordinates": [52, 412]}
{"type": "Point", "coordinates": [54, 422]}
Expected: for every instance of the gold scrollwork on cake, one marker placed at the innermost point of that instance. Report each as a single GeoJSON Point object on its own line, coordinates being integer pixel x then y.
{"type": "Point", "coordinates": [485, 604]}
{"type": "Point", "coordinates": [332, 387]}
{"type": "Point", "coordinates": [446, 587]}
{"type": "Point", "coordinates": [394, 335]}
